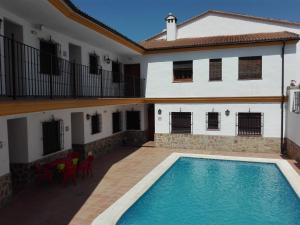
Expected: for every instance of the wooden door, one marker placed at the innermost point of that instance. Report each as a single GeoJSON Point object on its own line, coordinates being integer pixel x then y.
{"type": "Point", "coordinates": [132, 78]}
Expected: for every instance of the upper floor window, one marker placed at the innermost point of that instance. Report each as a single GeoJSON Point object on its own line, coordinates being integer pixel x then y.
{"type": "Point", "coordinates": [48, 57]}
{"type": "Point", "coordinates": [96, 123]}
{"type": "Point", "coordinates": [181, 122]}
{"type": "Point", "coordinates": [116, 72]}
{"type": "Point", "coordinates": [213, 120]}
{"type": "Point", "coordinates": [250, 68]}
{"type": "Point", "coordinates": [94, 63]}
{"type": "Point", "coordinates": [183, 71]}
{"type": "Point", "coordinates": [296, 102]}
{"type": "Point", "coordinates": [250, 124]}
{"type": "Point", "coordinates": [215, 69]}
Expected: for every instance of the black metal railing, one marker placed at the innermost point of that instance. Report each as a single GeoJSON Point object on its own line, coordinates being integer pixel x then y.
{"type": "Point", "coordinates": [27, 72]}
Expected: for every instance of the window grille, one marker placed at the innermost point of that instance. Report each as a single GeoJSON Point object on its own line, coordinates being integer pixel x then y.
{"type": "Point", "coordinates": [53, 136]}
{"type": "Point", "coordinates": [250, 124]}
{"type": "Point", "coordinates": [250, 68]}
{"type": "Point", "coordinates": [117, 122]}
{"type": "Point", "coordinates": [296, 102]}
{"type": "Point", "coordinates": [181, 122]}
{"type": "Point", "coordinates": [96, 123]}
{"type": "Point", "coordinates": [215, 69]}
{"type": "Point", "coordinates": [213, 120]}
{"type": "Point", "coordinates": [183, 71]}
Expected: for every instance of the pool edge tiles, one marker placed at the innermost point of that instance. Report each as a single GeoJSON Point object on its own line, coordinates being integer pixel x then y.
{"type": "Point", "coordinates": [112, 214]}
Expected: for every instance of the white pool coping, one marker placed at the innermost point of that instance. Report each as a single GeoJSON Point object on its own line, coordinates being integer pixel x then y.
{"type": "Point", "coordinates": [112, 214]}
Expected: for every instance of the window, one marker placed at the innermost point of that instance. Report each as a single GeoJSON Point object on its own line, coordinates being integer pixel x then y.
{"type": "Point", "coordinates": [52, 136]}
{"type": "Point", "coordinates": [94, 58]}
{"type": "Point", "coordinates": [250, 68]}
{"type": "Point", "coordinates": [183, 71]}
{"type": "Point", "coordinates": [213, 120]}
{"type": "Point", "coordinates": [48, 58]}
{"type": "Point", "coordinates": [96, 123]}
{"type": "Point", "coordinates": [181, 122]}
{"type": "Point", "coordinates": [215, 69]}
{"type": "Point", "coordinates": [116, 73]}
{"type": "Point", "coordinates": [250, 124]}
{"type": "Point", "coordinates": [117, 122]}
{"type": "Point", "coordinates": [133, 120]}
{"type": "Point", "coordinates": [296, 103]}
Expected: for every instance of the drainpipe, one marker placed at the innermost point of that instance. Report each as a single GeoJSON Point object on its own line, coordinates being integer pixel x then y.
{"type": "Point", "coordinates": [282, 147]}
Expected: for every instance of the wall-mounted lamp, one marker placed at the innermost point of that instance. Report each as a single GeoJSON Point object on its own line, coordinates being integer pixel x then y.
{"type": "Point", "coordinates": [159, 112]}
{"type": "Point", "coordinates": [106, 59]}
{"type": "Point", "coordinates": [88, 116]}
{"type": "Point", "coordinates": [38, 26]}
{"type": "Point", "coordinates": [227, 112]}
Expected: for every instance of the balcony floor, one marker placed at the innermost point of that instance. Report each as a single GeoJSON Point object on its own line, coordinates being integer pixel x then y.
{"type": "Point", "coordinates": [114, 174]}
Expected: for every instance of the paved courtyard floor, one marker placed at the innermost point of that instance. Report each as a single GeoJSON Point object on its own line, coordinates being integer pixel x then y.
{"type": "Point", "coordinates": [114, 174]}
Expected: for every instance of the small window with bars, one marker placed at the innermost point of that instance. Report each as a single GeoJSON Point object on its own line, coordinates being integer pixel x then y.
{"type": "Point", "coordinates": [96, 123]}
{"type": "Point", "coordinates": [250, 124]}
{"type": "Point", "coordinates": [215, 69]}
{"type": "Point", "coordinates": [183, 71]}
{"type": "Point", "coordinates": [250, 68]}
{"type": "Point", "coordinates": [213, 121]}
{"type": "Point", "coordinates": [117, 122]}
{"type": "Point", "coordinates": [181, 122]}
{"type": "Point", "coordinates": [94, 63]}
{"type": "Point", "coordinates": [296, 102]}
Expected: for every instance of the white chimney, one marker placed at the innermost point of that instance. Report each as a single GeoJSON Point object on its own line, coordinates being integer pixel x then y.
{"type": "Point", "coordinates": [171, 21]}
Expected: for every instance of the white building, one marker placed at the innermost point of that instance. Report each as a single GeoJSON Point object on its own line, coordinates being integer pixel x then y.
{"type": "Point", "coordinates": [219, 81]}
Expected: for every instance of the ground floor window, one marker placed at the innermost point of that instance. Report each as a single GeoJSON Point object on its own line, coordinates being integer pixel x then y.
{"type": "Point", "coordinates": [96, 123]}
{"type": "Point", "coordinates": [213, 120]}
{"type": "Point", "coordinates": [53, 135]}
{"type": "Point", "coordinates": [181, 122]}
{"type": "Point", "coordinates": [133, 121]}
{"type": "Point", "coordinates": [117, 122]}
{"type": "Point", "coordinates": [250, 124]}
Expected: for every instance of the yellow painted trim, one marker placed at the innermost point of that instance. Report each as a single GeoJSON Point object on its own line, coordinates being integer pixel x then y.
{"type": "Point", "coordinates": [30, 106]}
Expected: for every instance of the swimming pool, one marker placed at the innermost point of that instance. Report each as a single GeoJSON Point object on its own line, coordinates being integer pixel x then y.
{"type": "Point", "coordinates": [205, 190]}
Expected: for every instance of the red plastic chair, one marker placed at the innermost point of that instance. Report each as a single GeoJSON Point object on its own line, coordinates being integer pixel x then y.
{"type": "Point", "coordinates": [85, 168]}
{"type": "Point", "coordinates": [43, 173]}
{"type": "Point", "coordinates": [69, 172]}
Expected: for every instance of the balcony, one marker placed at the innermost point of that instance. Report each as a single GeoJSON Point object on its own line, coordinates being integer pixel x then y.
{"type": "Point", "coordinates": [27, 73]}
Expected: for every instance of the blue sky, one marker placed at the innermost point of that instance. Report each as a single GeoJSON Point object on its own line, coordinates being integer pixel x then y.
{"type": "Point", "coordinates": [140, 19]}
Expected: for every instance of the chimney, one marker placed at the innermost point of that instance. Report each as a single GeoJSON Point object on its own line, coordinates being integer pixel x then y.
{"type": "Point", "coordinates": [171, 21]}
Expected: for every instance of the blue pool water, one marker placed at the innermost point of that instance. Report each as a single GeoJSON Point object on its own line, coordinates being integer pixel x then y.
{"type": "Point", "coordinates": [215, 192]}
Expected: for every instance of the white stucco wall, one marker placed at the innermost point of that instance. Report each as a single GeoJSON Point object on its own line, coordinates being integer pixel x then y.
{"type": "Point", "coordinates": [293, 121]}
{"type": "Point", "coordinates": [82, 128]}
{"type": "Point", "coordinates": [159, 73]}
{"type": "Point", "coordinates": [271, 115]}
{"type": "Point", "coordinates": [214, 25]}
{"type": "Point", "coordinates": [4, 154]}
